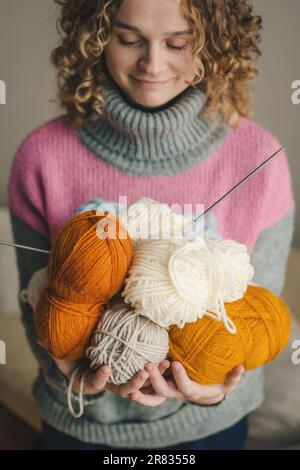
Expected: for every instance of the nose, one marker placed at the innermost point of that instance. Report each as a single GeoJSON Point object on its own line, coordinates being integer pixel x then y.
{"type": "Point", "coordinates": [152, 62]}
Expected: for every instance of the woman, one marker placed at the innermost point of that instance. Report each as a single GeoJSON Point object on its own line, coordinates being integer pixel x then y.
{"type": "Point", "coordinates": [157, 103]}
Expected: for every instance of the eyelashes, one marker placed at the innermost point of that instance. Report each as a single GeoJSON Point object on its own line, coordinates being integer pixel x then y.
{"type": "Point", "coordinates": [126, 43]}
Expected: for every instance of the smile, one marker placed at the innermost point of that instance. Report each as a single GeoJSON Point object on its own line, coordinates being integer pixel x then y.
{"type": "Point", "coordinates": [145, 83]}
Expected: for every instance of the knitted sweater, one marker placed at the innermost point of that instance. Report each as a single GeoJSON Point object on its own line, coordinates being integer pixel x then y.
{"type": "Point", "coordinates": [173, 155]}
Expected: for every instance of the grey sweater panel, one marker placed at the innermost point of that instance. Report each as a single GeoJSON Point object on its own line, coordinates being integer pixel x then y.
{"type": "Point", "coordinates": [28, 263]}
{"type": "Point", "coordinates": [271, 251]}
{"type": "Point", "coordinates": [116, 421]}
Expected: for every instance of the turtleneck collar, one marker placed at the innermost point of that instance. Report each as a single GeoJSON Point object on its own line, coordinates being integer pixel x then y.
{"type": "Point", "coordinates": [145, 108]}
{"type": "Point", "coordinates": [152, 142]}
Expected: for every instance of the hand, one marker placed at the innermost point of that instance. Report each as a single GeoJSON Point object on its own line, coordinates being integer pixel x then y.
{"type": "Point", "coordinates": [95, 382]}
{"type": "Point", "coordinates": [139, 381]}
{"type": "Point", "coordinates": [182, 387]}
{"type": "Point", "coordinates": [86, 382]}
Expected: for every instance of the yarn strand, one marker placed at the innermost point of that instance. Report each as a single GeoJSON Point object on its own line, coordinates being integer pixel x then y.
{"type": "Point", "coordinates": [80, 411]}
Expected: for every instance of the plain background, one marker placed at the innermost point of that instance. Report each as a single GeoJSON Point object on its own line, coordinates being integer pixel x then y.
{"type": "Point", "coordinates": [28, 34]}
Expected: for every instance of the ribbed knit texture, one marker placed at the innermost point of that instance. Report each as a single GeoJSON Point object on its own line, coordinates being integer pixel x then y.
{"type": "Point", "coordinates": [160, 143]}
{"type": "Point", "coordinates": [55, 171]}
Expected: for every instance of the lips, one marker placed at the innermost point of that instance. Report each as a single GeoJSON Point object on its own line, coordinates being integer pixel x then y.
{"type": "Point", "coordinates": [147, 82]}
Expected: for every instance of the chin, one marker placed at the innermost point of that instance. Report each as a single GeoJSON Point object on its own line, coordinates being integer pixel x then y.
{"type": "Point", "coordinates": [151, 98]}
{"type": "Point", "coordinates": [150, 101]}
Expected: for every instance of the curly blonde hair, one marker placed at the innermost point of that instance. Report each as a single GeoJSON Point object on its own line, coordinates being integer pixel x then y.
{"type": "Point", "coordinates": [224, 45]}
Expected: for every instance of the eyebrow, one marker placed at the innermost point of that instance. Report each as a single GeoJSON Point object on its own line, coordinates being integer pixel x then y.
{"type": "Point", "coordinates": [129, 27]}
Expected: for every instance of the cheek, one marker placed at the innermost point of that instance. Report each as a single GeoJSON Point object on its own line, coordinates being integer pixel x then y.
{"type": "Point", "coordinates": [186, 64]}
{"type": "Point", "coordinates": [182, 63]}
{"type": "Point", "coordinates": [118, 57]}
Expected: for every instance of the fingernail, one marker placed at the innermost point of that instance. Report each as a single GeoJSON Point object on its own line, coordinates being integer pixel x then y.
{"type": "Point", "coordinates": [149, 367]}
{"type": "Point", "coordinates": [177, 366]}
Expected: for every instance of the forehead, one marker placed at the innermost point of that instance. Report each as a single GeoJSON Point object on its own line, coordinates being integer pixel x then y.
{"type": "Point", "coordinates": [155, 17]}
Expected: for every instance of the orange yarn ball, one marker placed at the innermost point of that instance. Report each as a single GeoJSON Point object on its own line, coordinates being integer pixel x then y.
{"type": "Point", "coordinates": [208, 351]}
{"type": "Point", "coordinates": [87, 266]}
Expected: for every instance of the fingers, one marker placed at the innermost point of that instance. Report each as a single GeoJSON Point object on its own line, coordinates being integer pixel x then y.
{"type": "Point", "coordinates": [141, 379]}
{"type": "Point", "coordinates": [192, 391]}
{"type": "Point", "coordinates": [147, 400]}
{"type": "Point", "coordinates": [87, 381]}
{"type": "Point", "coordinates": [160, 385]}
{"type": "Point", "coordinates": [131, 386]}
{"type": "Point", "coordinates": [186, 386]}
{"type": "Point", "coordinates": [233, 378]}
{"type": "Point", "coordinates": [212, 400]}
{"type": "Point", "coordinates": [163, 366]}
{"type": "Point", "coordinates": [97, 380]}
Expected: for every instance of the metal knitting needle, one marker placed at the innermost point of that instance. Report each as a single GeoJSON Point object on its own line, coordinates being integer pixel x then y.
{"type": "Point", "coordinates": [3, 242]}
{"type": "Point", "coordinates": [238, 185]}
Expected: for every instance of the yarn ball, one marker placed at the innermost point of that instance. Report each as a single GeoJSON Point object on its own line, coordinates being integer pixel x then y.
{"type": "Point", "coordinates": [236, 271]}
{"type": "Point", "coordinates": [150, 219]}
{"type": "Point", "coordinates": [174, 282]}
{"type": "Point", "coordinates": [126, 341]}
{"type": "Point", "coordinates": [146, 213]}
{"type": "Point", "coordinates": [208, 352]}
{"type": "Point", "coordinates": [100, 205]}
{"type": "Point", "coordinates": [37, 284]}
{"type": "Point", "coordinates": [87, 266]}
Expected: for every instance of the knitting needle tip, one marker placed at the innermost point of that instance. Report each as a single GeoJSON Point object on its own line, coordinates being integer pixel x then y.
{"type": "Point", "coordinates": [25, 247]}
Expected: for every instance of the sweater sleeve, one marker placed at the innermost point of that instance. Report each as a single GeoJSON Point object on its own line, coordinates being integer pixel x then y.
{"type": "Point", "coordinates": [26, 200]}
{"type": "Point", "coordinates": [270, 254]}
{"type": "Point", "coordinates": [269, 259]}
{"type": "Point", "coordinates": [28, 263]}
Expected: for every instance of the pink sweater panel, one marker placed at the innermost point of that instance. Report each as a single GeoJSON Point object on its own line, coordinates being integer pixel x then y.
{"type": "Point", "coordinates": [53, 173]}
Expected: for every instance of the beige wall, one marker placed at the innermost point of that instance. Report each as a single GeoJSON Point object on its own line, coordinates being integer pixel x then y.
{"type": "Point", "coordinates": [27, 34]}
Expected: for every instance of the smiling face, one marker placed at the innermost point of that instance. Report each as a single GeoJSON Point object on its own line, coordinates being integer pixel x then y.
{"type": "Point", "coordinates": [144, 48]}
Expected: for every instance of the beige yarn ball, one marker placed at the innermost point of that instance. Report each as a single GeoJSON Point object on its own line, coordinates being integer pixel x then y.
{"type": "Point", "coordinates": [126, 341]}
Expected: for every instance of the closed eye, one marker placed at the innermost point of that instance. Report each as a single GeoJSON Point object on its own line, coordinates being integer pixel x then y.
{"type": "Point", "coordinates": [121, 41]}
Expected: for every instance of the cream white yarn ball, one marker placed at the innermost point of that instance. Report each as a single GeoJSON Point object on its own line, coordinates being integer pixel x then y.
{"type": "Point", "coordinates": [169, 281]}
{"type": "Point", "coordinates": [235, 269]}
{"type": "Point", "coordinates": [174, 282]}
{"type": "Point", "coordinates": [37, 284]}
{"type": "Point", "coordinates": [149, 219]}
